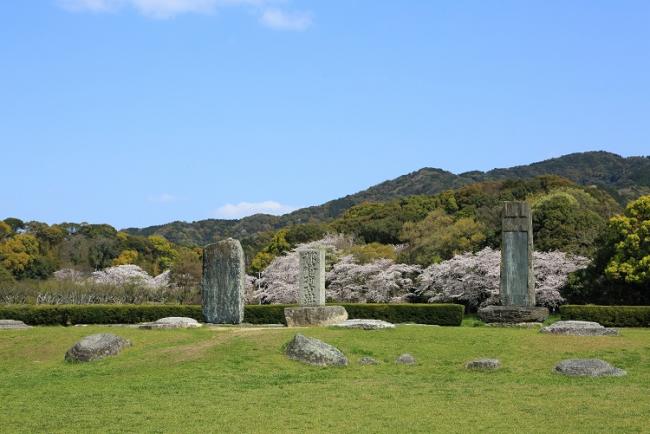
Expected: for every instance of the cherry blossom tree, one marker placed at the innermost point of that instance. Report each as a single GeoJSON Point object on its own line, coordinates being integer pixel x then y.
{"type": "Point", "coordinates": [473, 279]}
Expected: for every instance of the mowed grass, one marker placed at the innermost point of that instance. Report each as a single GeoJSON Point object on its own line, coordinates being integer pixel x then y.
{"type": "Point", "coordinates": [238, 380]}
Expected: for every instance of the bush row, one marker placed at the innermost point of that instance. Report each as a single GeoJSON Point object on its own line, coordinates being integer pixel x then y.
{"type": "Point", "coordinates": [609, 316]}
{"type": "Point", "coordinates": [440, 314]}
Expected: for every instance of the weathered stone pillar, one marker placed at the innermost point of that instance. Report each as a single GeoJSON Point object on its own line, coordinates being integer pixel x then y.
{"type": "Point", "coordinates": [223, 283]}
{"type": "Point", "coordinates": [517, 279]}
{"type": "Point", "coordinates": [311, 277]}
{"type": "Point", "coordinates": [517, 286]}
{"type": "Point", "coordinates": [311, 294]}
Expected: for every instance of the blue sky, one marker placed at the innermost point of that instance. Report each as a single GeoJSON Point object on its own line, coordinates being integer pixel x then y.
{"type": "Point", "coordinates": [140, 112]}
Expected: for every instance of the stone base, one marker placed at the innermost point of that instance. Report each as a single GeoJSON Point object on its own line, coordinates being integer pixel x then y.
{"type": "Point", "coordinates": [523, 325]}
{"type": "Point", "coordinates": [513, 314]}
{"type": "Point", "coordinates": [304, 316]}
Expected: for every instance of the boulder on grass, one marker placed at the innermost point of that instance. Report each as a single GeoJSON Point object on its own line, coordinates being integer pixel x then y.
{"type": "Point", "coordinates": [314, 352]}
{"type": "Point", "coordinates": [483, 364]}
{"type": "Point", "coordinates": [171, 322]}
{"type": "Point", "coordinates": [365, 324]}
{"type": "Point", "coordinates": [365, 361]}
{"type": "Point", "coordinates": [12, 324]}
{"type": "Point", "coordinates": [579, 328]}
{"type": "Point", "coordinates": [95, 347]}
{"type": "Point", "coordinates": [588, 368]}
{"type": "Point", "coordinates": [406, 359]}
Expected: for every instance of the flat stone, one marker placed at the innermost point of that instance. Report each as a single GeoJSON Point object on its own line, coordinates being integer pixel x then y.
{"type": "Point", "coordinates": [365, 361]}
{"type": "Point", "coordinates": [314, 352]}
{"type": "Point", "coordinates": [12, 324]}
{"type": "Point", "coordinates": [223, 283]}
{"type": "Point", "coordinates": [303, 316]}
{"type": "Point", "coordinates": [588, 368]}
{"type": "Point", "coordinates": [579, 328]}
{"type": "Point", "coordinates": [523, 325]}
{"type": "Point", "coordinates": [365, 324]}
{"type": "Point", "coordinates": [406, 359]}
{"type": "Point", "coordinates": [483, 364]}
{"type": "Point", "coordinates": [513, 314]}
{"type": "Point", "coordinates": [95, 347]}
{"type": "Point", "coordinates": [171, 322]}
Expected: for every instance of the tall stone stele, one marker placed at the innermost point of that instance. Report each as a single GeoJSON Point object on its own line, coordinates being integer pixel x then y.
{"type": "Point", "coordinates": [311, 277]}
{"type": "Point", "coordinates": [517, 279]}
{"type": "Point", "coordinates": [311, 294]}
{"type": "Point", "coordinates": [517, 286]}
{"type": "Point", "coordinates": [223, 283]}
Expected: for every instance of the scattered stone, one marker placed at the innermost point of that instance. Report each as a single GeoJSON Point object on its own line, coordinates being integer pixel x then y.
{"type": "Point", "coordinates": [222, 287]}
{"type": "Point", "coordinates": [303, 316]}
{"type": "Point", "coordinates": [13, 324]}
{"type": "Point", "coordinates": [483, 364]}
{"type": "Point", "coordinates": [365, 361]}
{"type": "Point", "coordinates": [314, 352]}
{"type": "Point", "coordinates": [171, 322]}
{"type": "Point", "coordinates": [405, 359]}
{"type": "Point", "coordinates": [95, 347]}
{"type": "Point", "coordinates": [588, 368]}
{"type": "Point", "coordinates": [579, 328]}
{"type": "Point", "coordinates": [523, 325]}
{"type": "Point", "coordinates": [513, 314]}
{"type": "Point", "coordinates": [365, 324]}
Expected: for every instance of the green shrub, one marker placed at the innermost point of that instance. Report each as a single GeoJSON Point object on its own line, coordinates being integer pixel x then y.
{"type": "Point", "coordinates": [609, 316]}
{"type": "Point", "coordinates": [265, 313]}
{"type": "Point", "coordinates": [440, 314]}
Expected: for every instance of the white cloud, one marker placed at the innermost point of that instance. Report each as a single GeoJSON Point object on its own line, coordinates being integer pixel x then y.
{"type": "Point", "coordinates": [162, 198]}
{"type": "Point", "coordinates": [243, 209]}
{"type": "Point", "coordinates": [280, 20]}
{"type": "Point", "coordinates": [273, 18]}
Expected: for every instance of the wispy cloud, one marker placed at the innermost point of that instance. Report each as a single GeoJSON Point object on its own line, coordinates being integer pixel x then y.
{"type": "Point", "coordinates": [269, 16]}
{"type": "Point", "coordinates": [278, 19]}
{"type": "Point", "coordinates": [243, 209]}
{"type": "Point", "coordinates": [162, 198]}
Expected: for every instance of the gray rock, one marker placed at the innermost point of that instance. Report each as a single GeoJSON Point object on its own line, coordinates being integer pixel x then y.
{"type": "Point", "coordinates": [483, 364]}
{"type": "Point", "coordinates": [314, 352]}
{"type": "Point", "coordinates": [588, 368]}
{"type": "Point", "coordinates": [311, 277]}
{"type": "Point", "coordinates": [171, 322]}
{"type": "Point", "coordinates": [579, 328]}
{"type": "Point", "coordinates": [95, 347]}
{"type": "Point", "coordinates": [12, 324]}
{"type": "Point", "coordinates": [512, 314]}
{"type": "Point", "coordinates": [365, 324]}
{"type": "Point", "coordinates": [223, 283]}
{"type": "Point", "coordinates": [303, 316]}
{"type": "Point", "coordinates": [406, 359]}
{"type": "Point", "coordinates": [523, 325]}
{"type": "Point", "coordinates": [365, 361]}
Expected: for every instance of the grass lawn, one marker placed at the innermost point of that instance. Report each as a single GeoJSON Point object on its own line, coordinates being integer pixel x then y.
{"type": "Point", "coordinates": [238, 380]}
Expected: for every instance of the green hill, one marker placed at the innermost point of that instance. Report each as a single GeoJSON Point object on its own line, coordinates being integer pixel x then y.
{"type": "Point", "coordinates": [623, 178]}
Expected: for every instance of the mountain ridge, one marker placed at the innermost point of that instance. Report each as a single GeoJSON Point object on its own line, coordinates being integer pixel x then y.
{"type": "Point", "coordinates": [624, 178]}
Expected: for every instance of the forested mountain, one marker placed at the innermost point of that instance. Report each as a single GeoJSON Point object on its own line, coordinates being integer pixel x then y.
{"type": "Point", "coordinates": [623, 178]}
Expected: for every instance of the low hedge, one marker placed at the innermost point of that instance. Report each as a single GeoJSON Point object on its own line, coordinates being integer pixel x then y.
{"type": "Point", "coordinates": [609, 316]}
{"type": "Point", "coordinates": [440, 314]}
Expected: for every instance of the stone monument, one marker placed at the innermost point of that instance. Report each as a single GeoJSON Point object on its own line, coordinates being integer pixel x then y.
{"type": "Point", "coordinates": [311, 278]}
{"type": "Point", "coordinates": [311, 293]}
{"type": "Point", "coordinates": [517, 285]}
{"type": "Point", "coordinates": [223, 283]}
